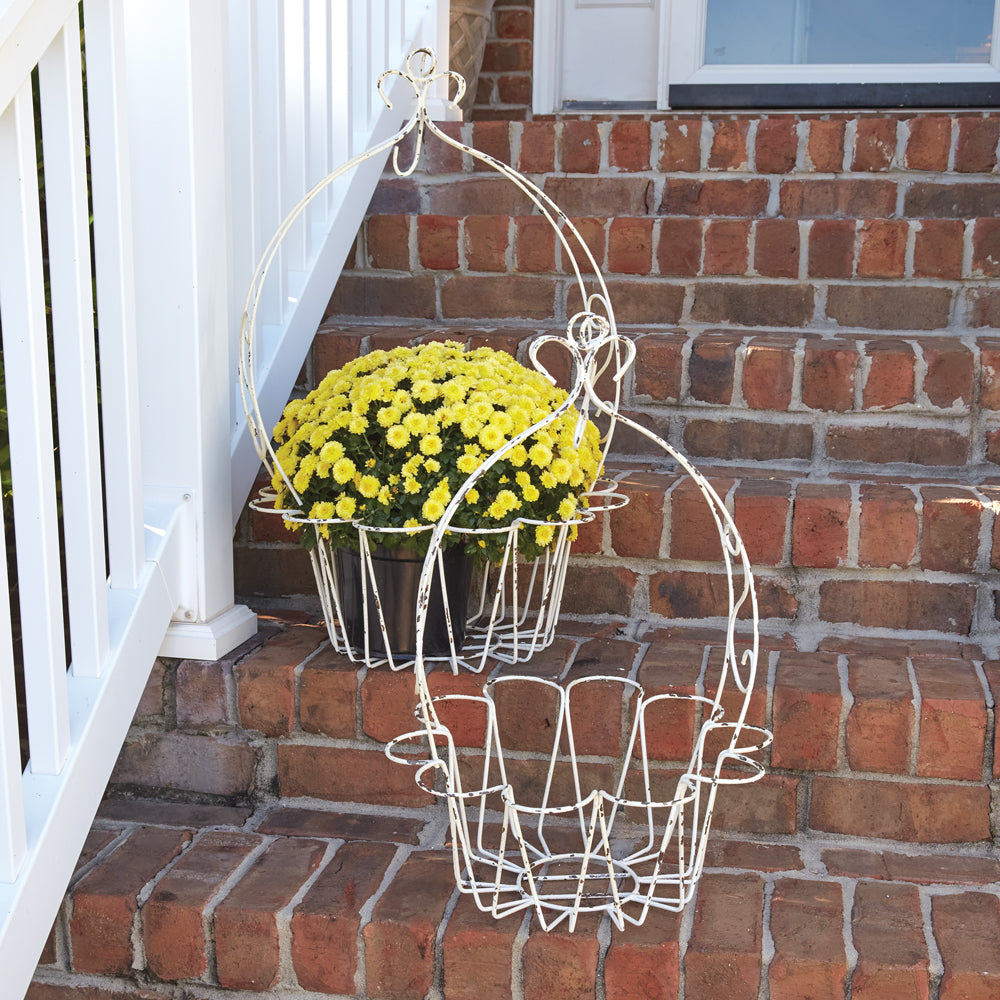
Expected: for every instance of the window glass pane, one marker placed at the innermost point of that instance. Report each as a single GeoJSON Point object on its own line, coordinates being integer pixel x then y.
{"type": "Point", "coordinates": [848, 31]}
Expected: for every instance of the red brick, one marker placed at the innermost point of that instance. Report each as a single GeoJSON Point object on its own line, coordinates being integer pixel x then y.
{"type": "Point", "coordinates": [729, 145]}
{"type": "Point", "coordinates": [889, 307]}
{"type": "Point", "coordinates": [246, 921]}
{"type": "Point", "coordinates": [327, 692]}
{"type": "Point", "coordinates": [637, 529]}
{"type": "Point", "coordinates": [828, 375]}
{"type": "Point", "coordinates": [538, 148]}
{"type": "Point", "coordinates": [887, 928]}
{"type": "Point", "coordinates": [950, 539]}
{"type": "Point", "coordinates": [750, 856]}
{"type": "Point", "coordinates": [807, 925]}
{"type": "Point", "coordinates": [659, 364]}
{"type": "Point", "coordinates": [919, 446]}
{"type": "Point", "coordinates": [580, 147]}
{"type": "Point", "coordinates": [596, 590]}
{"type": "Point", "coordinates": [630, 246]}
{"type": "Point", "coordinates": [399, 940]}
{"type": "Point", "coordinates": [726, 246]}
{"type": "Point", "coordinates": [952, 719]}
{"type": "Point", "coordinates": [888, 525]}
{"type": "Point", "coordinates": [854, 198]}
{"type": "Point", "coordinates": [507, 56]}
{"type": "Point", "coordinates": [514, 89]}
{"type": "Point", "coordinates": [748, 439]}
{"type": "Point", "coordinates": [469, 194]}
{"type": "Point", "coordinates": [983, 305]}
{"type": "Point", "coordinates": [342, 774]}
{"type": "Point", "coordinates": [825, 148]}
{"type": "Point", "coordinates": [325, 923]}
{"type": "Point", "coordinates": [831, 248]}
{"type": "Point", "coordinates": [694, 595]}
{"type": "Point", "coordinates": [922, 869]}
{"type": "Point", "coordinates": [950, 373]}
{"type": "Point", "coordinates": [989, 359]}
{"type": "Point", "coordinates": [592, 234]}
{"type": "Point", "coordinates": [200, 693]}
{"type": "Point", "coordinates": [371, 295]}
{"type": "Point", "coordinates": [642, 962]}
{"type": "Point", "coordinates": [630, 145]}
{"type": "Point", "coordinates": [768, 372]}
{"type": "Point", "coordinates": [757, 304]}
{"type": "Point", "coordinates": [717, 196]}
{"type": "Point", "coordinates": [333, 348]}
{"type": "Point", "coordinates": [388, 242]}
{"type": "Point", "coordinates": [760, 511]}
{"type": "Point", "coordinates": [952, 200]}
{"type": "Point", "coordinates": [986, 248]}
{"type": "Point", "coordinates": [879, 731]}
{"type": "Point", "coordinates": [486, 242]}
{"type": "Point", "coordinates": [938, 248]}
{"type": "Point", "coordinates": [891, 368]}
{"type": "Point", "coordinates": [723, 957]}
{"type": "Point", "coordinates": [679, 248]}
{"type": "Point", "coordinates": [486, 297]}
{"type": "Point", "coordinates": [266, 680]}
{"type": "Point", "coordinates": [766, 807]}
{"type": "Point", "coordinates": [437, 242]}
{"type": "Point", "coordinates": [680, 146]}
{"type": "Point", "coordinates": [874, 144]}
{"type": "Point", "coordinates": [186, 762]}
{"type": "Point", "coordinates": [807, 704]}
{"type": "Point", "coordinates": [561, 963]}
{"type": "Point", "coordinates": [492, 138]}
{"type": "Point", "coordinates": [173, 917]}
{"type": "Point", "coordinates": [910, 605]}
{"type": "Point", "coordinates": [882, 248]}
{"type": "Point", "coordinates": [904, 811]}
{"type": "Point", "coordinates": [711, 366]}
{"type": "Point", "coordinates": [477, 952]}
{"type": "Point", "coordinates": [820, 524]}
{"type": "Point", "coordinates": [512, 22]}
{"type": "Point", "coordinates": [929, 143]}
{"type": "Point", "coordinates": [776, 248]}
{"type": "Point", "coordinates": [60, 991]}
{"type": "Point", "coordinates": [776, 146]}
{"type": "Point", "coordinates": [534, 244]}
{"type": "Point", "coordinates": [440, 157]}
{"type": "Point", "coordinates": [965, 930]}
{"type": "Point", "coordinates": [976, 146]}
{"type": "Point", "coordinates": [104, 901]}
{"type": "Point", "coordinates": [670, 668]}
{"type": "Point", "coordinates": [693, 531]}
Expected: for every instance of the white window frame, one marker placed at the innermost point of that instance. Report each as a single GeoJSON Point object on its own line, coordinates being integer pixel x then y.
{"type": "Point", "coordinates": [682, 45]}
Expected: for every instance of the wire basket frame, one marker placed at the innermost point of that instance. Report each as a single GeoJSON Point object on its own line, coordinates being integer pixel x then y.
{"type": "Point", "coordinates": [577, 848]}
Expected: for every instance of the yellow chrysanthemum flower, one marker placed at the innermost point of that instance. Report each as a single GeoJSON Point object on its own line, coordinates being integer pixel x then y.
{"type": "Point", "coordinates": [346, 507]}
{"type": "Point", "coordinates": [398, 436]}
{"type": "Point", "coordinates": [343, 470]}
{"type": "Point", "coordinates": [540, 454]}
{"type": "Point", "coordinates": [432, 509]}
{"type": "Point", "coordinates": [369, 486]}
{"type": "Point", "coordinates": [544, 534]}
{"type": "Point", "coordinates": [430, 444]}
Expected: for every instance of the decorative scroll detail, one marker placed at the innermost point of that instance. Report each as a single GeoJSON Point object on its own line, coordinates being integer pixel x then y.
{"type": "Point", "coordinates": [630, 849]}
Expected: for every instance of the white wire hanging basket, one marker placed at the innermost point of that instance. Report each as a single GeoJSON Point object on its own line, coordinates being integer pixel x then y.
{"type": "Point", "coordinates": [572, 847]}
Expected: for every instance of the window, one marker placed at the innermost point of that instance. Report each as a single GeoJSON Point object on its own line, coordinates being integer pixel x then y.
{"type": "Point", "coordinates": [765, 53]}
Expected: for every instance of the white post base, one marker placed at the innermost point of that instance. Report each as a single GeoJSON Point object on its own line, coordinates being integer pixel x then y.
{"type": "Point", "coordinates": [212, 639]}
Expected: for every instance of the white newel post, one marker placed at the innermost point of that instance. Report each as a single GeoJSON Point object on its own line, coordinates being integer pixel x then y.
{"type": "Point", "coordinates": [176, 74]}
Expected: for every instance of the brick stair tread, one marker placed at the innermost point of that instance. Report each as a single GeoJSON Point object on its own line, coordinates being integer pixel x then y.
{"type": "Point", "coordinates": [225, 909]}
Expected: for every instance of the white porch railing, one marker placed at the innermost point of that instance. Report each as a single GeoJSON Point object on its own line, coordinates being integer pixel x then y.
{"type": "Point", "coordinates": [206, 122]}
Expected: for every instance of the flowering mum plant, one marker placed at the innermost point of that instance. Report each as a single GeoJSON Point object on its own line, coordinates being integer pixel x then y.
{"type": "Point", "coordinates": [388, 439]}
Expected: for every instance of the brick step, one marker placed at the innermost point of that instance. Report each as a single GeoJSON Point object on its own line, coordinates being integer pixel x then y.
{"type": "Point", "coordinates": [898, 404]}
{"type": "Point", "coordinates": [830, 225]}
{"type": "Point", "coordinates": [358, 905]}
{"type": "Point", "coordinates": [255, 837]}
{"type": "Point", "coordinates": [857, 724]}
